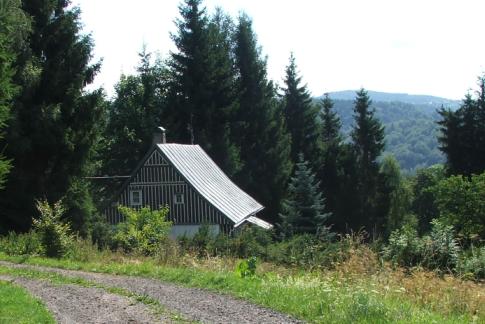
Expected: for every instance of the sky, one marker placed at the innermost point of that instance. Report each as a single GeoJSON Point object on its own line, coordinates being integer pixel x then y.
{"type": "Point", "coordinates": [432, 47]}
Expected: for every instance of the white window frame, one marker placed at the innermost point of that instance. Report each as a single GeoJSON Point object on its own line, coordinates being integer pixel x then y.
{"type": "Point", "coordinates": [132, 200]}
{"type": "Point", "coordinates": [178, 198]}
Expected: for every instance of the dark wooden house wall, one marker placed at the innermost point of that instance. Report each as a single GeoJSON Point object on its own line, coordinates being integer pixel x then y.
{"type": "Point", "coordinates": [159, 181]}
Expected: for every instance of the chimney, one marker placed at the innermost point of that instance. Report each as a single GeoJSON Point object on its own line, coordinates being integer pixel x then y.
{"type": "Point", "coordinates": [159, 136]}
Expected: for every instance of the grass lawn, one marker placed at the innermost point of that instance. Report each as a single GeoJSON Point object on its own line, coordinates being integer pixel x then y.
{"type": "Point", "coordinates": [17, 306]}
{"type": "Point", "coordinates": [324, 297]}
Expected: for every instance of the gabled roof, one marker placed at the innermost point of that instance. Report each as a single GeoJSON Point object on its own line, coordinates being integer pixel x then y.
{"type": "Point", "coordinates": [208, 179]}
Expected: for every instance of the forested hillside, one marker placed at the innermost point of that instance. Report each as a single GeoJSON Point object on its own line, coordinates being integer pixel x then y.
{"type": "Point", "coordinates": [411, 129]}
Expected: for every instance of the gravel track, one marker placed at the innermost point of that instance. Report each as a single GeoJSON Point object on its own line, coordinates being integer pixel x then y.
{"type": "Point", "coordinates": [195, 304]}
{"type": "Point", "coordinates": [71, 304]}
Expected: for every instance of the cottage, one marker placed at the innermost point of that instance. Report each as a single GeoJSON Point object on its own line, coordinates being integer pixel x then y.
{"type": "Point", "coordinates": [196, 190]}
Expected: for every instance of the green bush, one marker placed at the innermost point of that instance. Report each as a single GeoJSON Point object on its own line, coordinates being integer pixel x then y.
{"type": "Point", "coordinates": [438, 250]}
{"type": "Point", "coordinates": [21, 244]}
{"type": "Point", "coordinates": [54, 235]}
{"type": "Point", "coordinates": [461, 204]}
{"type": "Point", "coordinates": [250, 241]}
{"type": "Point", "coordinates": [307, 250]}
{"type": "Point", "coordinates": [472, 263]}
{"type": "Point", "coordinates": [404, 247]}
{"type": "Point", "coordinates": [246, 268]}
{"type": "Point", "coordinates": [102, 234]}
{"type": "Point", "coordinates": [143, 231]}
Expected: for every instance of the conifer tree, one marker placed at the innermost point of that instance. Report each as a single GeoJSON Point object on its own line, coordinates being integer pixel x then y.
{"type": "Point", "coordinates": [368, 144]}
{"type": "Point", "coordinates": [303, 209]}
{"type": "Point", "coordinates": [300, 115]}
{"type": "Point", "coordinates": [201, 96]}
{"type": "Point", "coordinates": [330, 171]}
{"type": "Point", "coordinates": [463, 135]}
{"type": "Point", "coordinates": [259, 128]}
{"type": "Point", "coordinates": [14, 26]}
{"type": "Point", "coordinates": [133, 115]}
{"type": "Point", "coordinates": [55, 123]}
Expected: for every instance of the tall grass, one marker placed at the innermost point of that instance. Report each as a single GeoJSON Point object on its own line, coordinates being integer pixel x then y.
{"type": "Point", "coordinates": [359, 288]}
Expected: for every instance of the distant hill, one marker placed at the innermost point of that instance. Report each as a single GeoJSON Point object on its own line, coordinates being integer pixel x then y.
{"type": "Point", "coordinates": [410, 124]}
{"type": "Point", "coordinates": [423, 101]}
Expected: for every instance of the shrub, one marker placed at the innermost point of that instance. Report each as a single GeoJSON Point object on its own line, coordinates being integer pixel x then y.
{"type": "Point", "coordinates": [21, 244]}
{"type": "Point", "coordinates": [54, 235]}
{"type": "Point", "coordinates": [460, 203]}
{"type": "Point", "coordinates": [308, 251]}
{"type": "Point", "coordinates": [102, 234]}
{"type": "Point", "coordinates": [472, 263]}
{"type": "Point", "coordinates": [404, 246]}
{"type": "Point", "coordinates": [438, 250]}
{"type": "Point", "coordinates": [246, 268]}
{"type": "Point", "coordinates": [143, 231]}
{"type": "Point", "coordinates": [200, 242]}
{"type": "Point", "coordinates": [251, 241]}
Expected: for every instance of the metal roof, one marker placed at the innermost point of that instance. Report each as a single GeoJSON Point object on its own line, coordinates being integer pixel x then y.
{"type": "Point", "coordinates": [211, 182]}
{"type": "Point", "coordinates": [256, 221]}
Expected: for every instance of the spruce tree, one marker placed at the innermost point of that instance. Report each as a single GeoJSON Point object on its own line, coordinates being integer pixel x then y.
{"type": "Point", "coordinates": [368, 144]}
{"type": "Point", "coordinates": [201, 95]}
{"type": "Point", "coordinates": [330, 170]}
{"type": "Point", "coordinates": [14, 26]}
{"type": "Point", "coordinates": [54, 122]}
{"type": "Point", "coordinates": [300, 115]}
{"type": "Point", "coordinates": [259, 128]}
{"type": "Point", "coordinates": [462, 137]}
{"type": "Point", "coordinates": [303, 209]}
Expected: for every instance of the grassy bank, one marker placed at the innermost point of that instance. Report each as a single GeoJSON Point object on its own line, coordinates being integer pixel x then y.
{"type": "Point", "coordinates": [359, 290]}
{"type": "Point", "coordinates": [17, 306]}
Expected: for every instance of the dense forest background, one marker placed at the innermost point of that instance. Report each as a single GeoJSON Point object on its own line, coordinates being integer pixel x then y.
{"type": "Point", "coordinates": [318, 165]}
{"type": "Point", "coordinates": [411, 130]}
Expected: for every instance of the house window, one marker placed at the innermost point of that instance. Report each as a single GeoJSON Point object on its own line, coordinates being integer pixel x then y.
{"type": "Point", "coordinates": [135, 198]}
{"type": "Point", "coordinates": [179, 199]}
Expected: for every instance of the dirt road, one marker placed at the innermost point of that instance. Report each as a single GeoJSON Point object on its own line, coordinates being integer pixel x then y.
{"type": "Point", "coordinates": [193, 304]}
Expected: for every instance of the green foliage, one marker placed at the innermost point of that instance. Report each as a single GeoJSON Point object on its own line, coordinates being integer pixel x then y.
{"type": "Point", "coordinates": [307, 251]}
{"type": "Point", "coordinates": [410, 131]}
{"type": "Point", "coordinates": [101, 233]}
{"type": "Point", "coordinates": [303, 210]}
{"type": "Point", "coordinates": [404, 247]}
{"type": "Point", "coordinates": [462, 134]}
{"type": "Point", "coordinates": [330, 169]}
{"type": "Point", "coordinates": [133, 115]}
{"type": "Point", "coordinates": [251, 241]}
{"type": "Point", "coordinates": [55, 235]}
{"type": "Point", "coordinates": [472, 263]}
{"type": "Point", "coordinates": [461, 204]}
{"type": "Point", "coordinates": [143, 231]}
{"type": "Point", "coordinates": [424, 200]}
{"type": "Point", "coordinates": [21, 244]}
{"type": "Point", "coordinates": [246, 268]}
{"type": "Point", "coordinates": [368, 143]}
{"type": "Point", "coordinates": [438, 250]}
{"type": "Point", "coordinates": [259, 127]}
{"type": "Point", "coordinates": [55, 122]}
{"type": "Point", "coordinates": [202, 96]}
{"type": "Point", "coordinates": [300, 116]}
{"type": "Point", "coordinates": [398, 191]}
{"type": "Point", "coordinates": [14, 26]}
